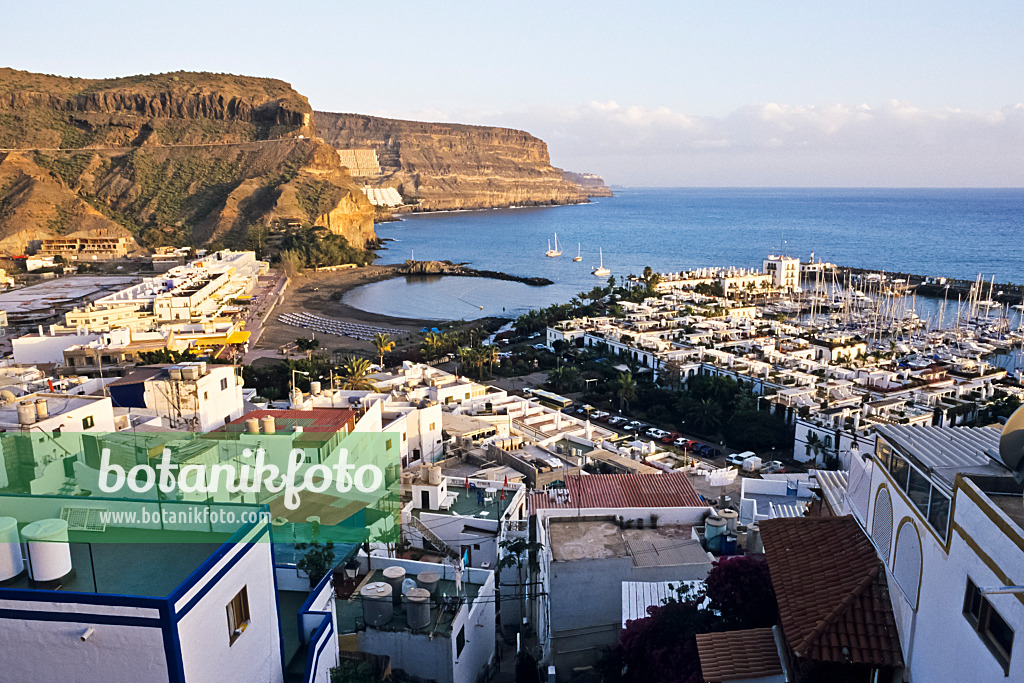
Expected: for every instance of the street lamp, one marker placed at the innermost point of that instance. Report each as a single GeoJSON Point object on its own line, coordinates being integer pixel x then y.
{"type": "Point", "coordinates": [301, 372]}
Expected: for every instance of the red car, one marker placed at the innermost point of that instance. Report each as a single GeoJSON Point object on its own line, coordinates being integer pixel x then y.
{"type": "Point", "coordinates": [671, 437]}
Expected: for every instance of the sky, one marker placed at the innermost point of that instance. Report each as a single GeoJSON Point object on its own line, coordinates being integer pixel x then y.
{"type": "Point", "coordinates": [686, 93]}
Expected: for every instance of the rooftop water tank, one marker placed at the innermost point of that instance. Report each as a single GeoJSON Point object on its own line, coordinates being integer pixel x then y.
{"type": "Point", "coordinates": [394, 577]}
{"type": "Point", "coordinates": [754, 539]}
{"type": "Point", "coordinates": [49, 555]}
{"type": "Point", "coordinates": [42, 411]}
{"type": "Point", "coordinates": [435, 475]}
{"type": "Point", "coordinates": [729, 544]}
{"type": "Point", "coordinates": [314, 388]}
{"type": "Point", "coordinates": [377, 606]}
{"type": "Point", "coordinates": [730, 517]}
{"type": "Point", "coordinates": [714, 529]}
{"type": "Point", "coordinates": [11, 561]}
{"type": "Point", "coordinates": [428, 581]}
{"type": "Point", "coordinates": [26, 413]}
{"type": "Point", "coordinates": [252, 425]}
{"type": "Point", "coordinates": [417, 608]}
{"type": "Point", "coordinates": [268, 424]}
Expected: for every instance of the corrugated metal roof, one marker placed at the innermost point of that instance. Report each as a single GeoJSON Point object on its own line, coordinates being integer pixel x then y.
{"type": "Point", "coordinates": [949, 450]}
{"type": "Point", "coordinates": [665, 552]}
{"type": "Point", "coordinates": [637, 596]}
{"type": "Point", "coordinates": [833, 487]}
{"type": "Point", "coordinates": [667, 490]}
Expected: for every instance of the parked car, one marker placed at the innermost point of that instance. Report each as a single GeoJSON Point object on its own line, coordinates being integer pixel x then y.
{"type": "Point", "coordinates": [712, 452]}
{"type": "Point", "coordinates": [736, 459]}
{"type": "Point", "coordinates": [656, 433]}
{"type": "Point", "coordinates": [774, 467]}
{"type": "Point", "coordinates": [682, 443]}
{"type": "Point", "coordinates": [616, 421]}
{"type": "Point", "coordinates": [600, 416]}
{"type": "Point", "coordinates": [635, 426]}
{"type": "Point", "coordinates": [670, 437]}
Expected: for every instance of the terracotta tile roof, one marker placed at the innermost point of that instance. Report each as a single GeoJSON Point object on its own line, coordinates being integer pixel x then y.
{"type": "Point", "coordinates": [667, 490]}
{"type": "Point", "coordinates": [832, 591]}
{"type": "Point", "coordinates": [733, 655]}
{"type": "Point", "coordinates": [321, 420]}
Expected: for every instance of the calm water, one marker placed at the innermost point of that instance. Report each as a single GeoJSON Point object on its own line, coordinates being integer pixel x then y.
{"type": "Point", "coordinates": [953, 233]}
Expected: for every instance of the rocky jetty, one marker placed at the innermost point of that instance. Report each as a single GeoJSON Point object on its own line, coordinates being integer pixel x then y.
{"type": "Point", "coordinates": [460, 269]}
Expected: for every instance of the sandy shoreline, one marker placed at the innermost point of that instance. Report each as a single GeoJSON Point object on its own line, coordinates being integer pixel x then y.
{"type": "Point", "coordinates": [321, 292]}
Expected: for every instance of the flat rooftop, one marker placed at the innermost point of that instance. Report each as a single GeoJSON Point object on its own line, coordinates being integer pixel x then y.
{"type": "Point", "coordinates": [665, 546]}
{"type": "Point", "coordinates": [64, 291]}
{"type": "Point", "coordinates": [350, 612]}
{"type": "Point", "coordinates": [473, 503]}
{"type": "Point", "coordinates": [136, 566]}
{"type": "Point", "coordinates": [56, 404]}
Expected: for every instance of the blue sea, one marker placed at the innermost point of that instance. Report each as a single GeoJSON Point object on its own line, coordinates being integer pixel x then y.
{"type": "Point", "coordinates": [944, 232]}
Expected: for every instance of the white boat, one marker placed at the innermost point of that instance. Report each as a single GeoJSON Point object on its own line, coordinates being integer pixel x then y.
{"type": "Point", "coordinates": [601, 271]}
{"type": "Point", "coordinates": [579, 256]}
{"type": "Point", "coordinates": [553, 252]}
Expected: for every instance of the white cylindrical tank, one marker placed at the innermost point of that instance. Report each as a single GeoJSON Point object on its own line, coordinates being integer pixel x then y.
{"type": "Point", "coordinates": [252, 425]}
{"type": "Point", "coordinates": [26, 413]}
{"type": "Point", "coordinates": [434, 474]}
{"type": "Point", "coordinates": [377, 606]}
{"type": "Point", "coordinates": [268, 424]}
{"type": "Point", "coordinates": [49, 554]}
{"type": "Point", "coordinates": [730, 517]}
{"type": "Point", "coordinates": [754, 539]}
{"type": "Point", "coordinates": [417, 608]}
{"type": "Point", "coordinates": [428, 581]}
{"type": "Point", "coordinates": [314, 388]}
{"type": "Point", "coordinates": [42, 412]}
{"type": "Point", "coordinates": [11, 561]}
{"type": "Point", "coordinates": [394, 577]}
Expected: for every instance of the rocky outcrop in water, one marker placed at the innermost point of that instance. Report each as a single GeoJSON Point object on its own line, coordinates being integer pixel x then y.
{"type": "Point", "coordinates": [448, 268]}
{"type": "Point", "coordinates": [441, 166]}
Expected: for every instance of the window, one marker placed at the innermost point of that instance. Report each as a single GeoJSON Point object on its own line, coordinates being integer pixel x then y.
{"type": "Point", "coordinates": [387, 444]}
{"type": "Point", "coordinates": [990, 625]}
{"type": "Point", "coordinates": [56, 431]}
{"type": "Point", "coordinates": [224, 384]}
{"type": "Point", "coordinates": [238, 614]}
{"type": "Point", "coordinates": [88, 421]}
{"type": "Point", "coordinates": [460, 641]}
{"type": "Point", "coordinates": [206, 395]}
{"type": "Point", "coordinates": [431, 427]}
{"type": "Point", "coordinates": [403, 437]}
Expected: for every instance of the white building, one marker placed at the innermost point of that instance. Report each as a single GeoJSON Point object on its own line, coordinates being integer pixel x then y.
{"type": "Point", "coordinates": [785, 272]}
{"type": "Point", "coordinates": [194, 396]}
{"type": "Point", "coordinates": [946, 516]}
{"type": "Point", "coordinates": [148, 612]}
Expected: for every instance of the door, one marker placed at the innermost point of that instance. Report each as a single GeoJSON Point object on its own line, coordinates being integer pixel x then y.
{"type": "Point", "coordinates": [425, 500]}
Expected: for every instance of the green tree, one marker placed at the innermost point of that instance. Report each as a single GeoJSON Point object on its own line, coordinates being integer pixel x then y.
{"type": "Point", "coordinates": [316, 561]}
{"type": "Point", "coordinates": [384, 344]}
{"type": "Point", "coordinates": [625, 389]}
{"type": "Point", "coordinates": [355, 375]}
{"type": "Point", "coordinates": [291, 262]}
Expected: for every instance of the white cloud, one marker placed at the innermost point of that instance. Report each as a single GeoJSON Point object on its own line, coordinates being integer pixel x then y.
{"type": "Point", "coordinates": [890, 144]}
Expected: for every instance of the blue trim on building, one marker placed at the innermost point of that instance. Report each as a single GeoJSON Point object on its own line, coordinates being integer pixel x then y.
{"type": "Point", "coordinates": [78, 598]}
{"type": "Point", "coordinates": [277, 601]}
{"type": "Point", "coordinates": [80, 618]}
{"type": "Point", "coordinates": [208, 586]}
{"type": "Point", "coordinates": [322, 636]}
{"type": "Point", "coordinates": [313, 594]}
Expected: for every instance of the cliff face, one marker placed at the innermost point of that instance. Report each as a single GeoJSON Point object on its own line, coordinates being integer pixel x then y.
{"type": "Point", "coordinates": [592, 184]}
{"type": "Point", "coordinates": [452, 166]}
{"type": "Point", "coordinates": [177, 159]}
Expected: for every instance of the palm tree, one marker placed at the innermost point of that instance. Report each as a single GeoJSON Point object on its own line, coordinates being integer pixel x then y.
{"type": "Point", "coordinates": [490, 356]}
{"type": "Point", "coordinates": [355, 375]}
{"type": "Point", "coordinates": [384, 344]}
{"type": "Point", "coordinates": [433, 344]}
{"type": "Point", "coordinates": [707, 416]}
{"type": "Point", "coordinates": [564, 377]}
{"type": "Point", "coordinates": [625, 389]}
{"type": "Point", "coordinates": [814, 445]}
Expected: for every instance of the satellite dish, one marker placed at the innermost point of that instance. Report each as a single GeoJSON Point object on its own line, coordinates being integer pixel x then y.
{"type": "Point", "coordinates": [1011, 443]}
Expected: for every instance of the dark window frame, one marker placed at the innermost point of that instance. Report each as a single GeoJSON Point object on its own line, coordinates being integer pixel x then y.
{"type": "Point", "coordinates": [981, 615]}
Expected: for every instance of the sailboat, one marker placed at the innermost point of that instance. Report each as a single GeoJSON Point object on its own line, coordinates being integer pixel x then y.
{"type": "Point", "coordinates": [601, 271]}
{"type": "Point", "coordinates": [579, 257]}
{"type": "Point", "coordinates": [553, 252]}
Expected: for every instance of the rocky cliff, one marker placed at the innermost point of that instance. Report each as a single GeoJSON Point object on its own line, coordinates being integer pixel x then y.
{"type": "Point", "coordinates": [181, 158]}
{"type": "Point", "coordinates": [441, 166]}
{"type": "Point", "coordinates": [592, 184]}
